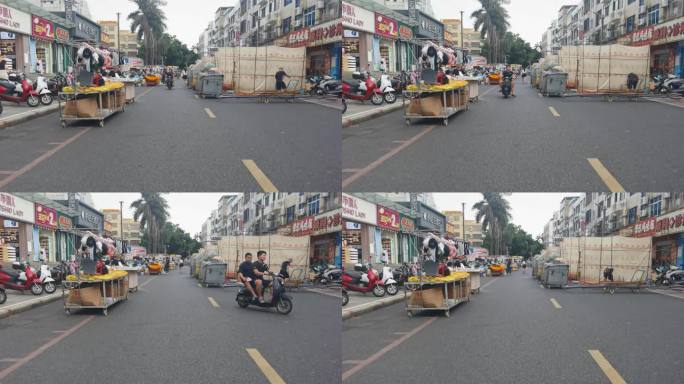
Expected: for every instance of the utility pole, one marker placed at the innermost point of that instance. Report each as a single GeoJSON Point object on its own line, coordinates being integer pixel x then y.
{"type": "Point", "coordinates": [121, 225]}
{"type": "Point", "coordinates": [463, 214]}
{"type": "Point", "coordinates": [118, 38]}
{"type": "Point", "coordinates": [462, 47]}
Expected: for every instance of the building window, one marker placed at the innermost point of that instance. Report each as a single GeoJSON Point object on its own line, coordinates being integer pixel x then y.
{"type": "Point", "coordinates": [290, 213]}
{"type": "Point", "coordinates": [310, 16]}
{"type": "Point", "coordinates": [245, 216]}
{"type": "Point", "coordinates": [653, 15]}
{"type": "Point", "coordinates": [629, 24]}
{"type": "Point", "coordinates": [286, 3]}
{"type": "Point", "coordinates": [286, 25]}
{"type": "Point", "coordinates": [631, 215]}
{"type": "Point", "coordinates": [655, 206]}
{"type": "Point", "coordinates": [314, 204]}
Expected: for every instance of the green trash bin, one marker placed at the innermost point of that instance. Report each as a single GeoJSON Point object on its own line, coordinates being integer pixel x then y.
{"type": "Point", "coordinates": [211, 85]}
{"type": "Point", "coordinates": [554, 83]}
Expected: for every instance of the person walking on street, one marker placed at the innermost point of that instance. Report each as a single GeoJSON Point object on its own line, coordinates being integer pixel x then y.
{"type": "Point", "coordinates": [524, 266]}
{"type": "Point", "coordinates": [509, 266]}
{"type": "Point", "coordinates": [280, 82]}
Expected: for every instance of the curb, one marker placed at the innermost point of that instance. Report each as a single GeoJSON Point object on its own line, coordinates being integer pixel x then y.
{"type": "Point", "coordinates": [27, 116]}
{"type": "Point", "coordinates": [372, 306]}
{"type": "Point", "coordinates": [28, 304]}
{"type": "Point", "coordinates": [368, 115]}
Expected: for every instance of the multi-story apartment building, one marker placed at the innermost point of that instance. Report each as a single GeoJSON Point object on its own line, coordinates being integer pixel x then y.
{"type": "Point", "coordinates": [472, 43]}
{"type": "Point", "coordinates": [656, 23]}
{"type": "Point", "coordinates": [424, 6]}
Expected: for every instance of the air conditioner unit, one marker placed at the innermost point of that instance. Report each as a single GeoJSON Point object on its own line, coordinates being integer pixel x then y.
{"type": "Point", "coordinates": [642, 9]}
{"type": "Point", "coordinates": [298, 10]}
{"type": "Point", "coordinates": [298, 23]}
{"type": "Point", "coordinates": [321, 4]}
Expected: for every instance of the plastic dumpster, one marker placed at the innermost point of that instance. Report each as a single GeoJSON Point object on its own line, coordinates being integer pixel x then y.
{"type": "Point", "coordinates": [557, 275]}
{"type": "Point", "coordinates": [553, 83]}
{"type": "Point", "coordinates": [211, 85]}
{"type": "Point", "coordinates": [213, 273]}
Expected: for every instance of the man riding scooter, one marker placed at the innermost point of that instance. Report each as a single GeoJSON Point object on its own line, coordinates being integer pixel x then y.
{"type": "Point", "coordinates": [508, 75]}
{"type": "Point", "coordinates": [260, 270]}
{"type": "Point", "coordinates": [246, 274]}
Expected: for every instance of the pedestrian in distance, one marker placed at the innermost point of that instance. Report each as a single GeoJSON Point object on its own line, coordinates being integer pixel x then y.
{"type": "Point", "coordinates": [280, 80]}
{"type": "Point", "coordinates": [509, 266]}
{"type": "Point", "coordinates": [524, 267]}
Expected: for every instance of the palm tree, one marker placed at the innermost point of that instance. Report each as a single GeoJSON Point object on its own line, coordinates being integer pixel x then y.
{"type": "Point", "coordinates": [492, 22]}
{"type": "Point", "coordinates": [494, 213]}
{"type": "Point", "coordinates": [151, 211]}
{"type": "Point", "coordinates": [149, 23]}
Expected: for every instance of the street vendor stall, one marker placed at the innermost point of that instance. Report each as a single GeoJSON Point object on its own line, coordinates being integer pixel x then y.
{"type": "Point", "coordinates": [435, 101]}
{"type": "Point", "coordinates": [129, 85]}
{"type": "Point", "coordinates": [473, 87]}
{"type": "Point", "coordinates": [132, 276]}
{"type": "Point", "coordinates": [83, 291]}
{"type": "Point", "coordinates": [494, 78]}
{"type": "Point", "coordinates": [431, 293]}
{"type": "Point", "coordinates": [88, 103]}
{"type": "Point", "coordinates": [474, 274]}
{"type": "Point", "coordinates": [152, 80]}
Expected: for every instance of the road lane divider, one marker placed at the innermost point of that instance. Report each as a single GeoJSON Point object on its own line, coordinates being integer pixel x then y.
{"type": "Point", "coordinates": [605, 175]}
{"type": "Point", "coordinates": [213, 302]}
{"type": "Point", "coordinates": [144, 283]}
{"type": "Point", "coordinates": [377, 163]}
{"type": "Point", "coordinates": [355, 369]}
{"type": "Point", "coordinates": [266, 368]}
{"type": "Point", "coordinates": [607, 368]}
{"type": "Point", "coordinates": [260, 177]}
{"type": "Point", "coordinates": [39, 351]}
{"type": "Point", "coordinates": [489, 283]}
{"type": "Point", "coordinates": [554, 112]}
{"type": "Point", "coordinates": [555, 303]}
{"type": "Point", "coordinates": [210, 113]}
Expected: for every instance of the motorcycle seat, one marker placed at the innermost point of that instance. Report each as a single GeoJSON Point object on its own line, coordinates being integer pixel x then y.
{"type": "Point", "coordinates": [354, 274]}
{"type": "Point", "coordinates": [13, 275]}
{"type": "Point", "coordinates": [8, 84]}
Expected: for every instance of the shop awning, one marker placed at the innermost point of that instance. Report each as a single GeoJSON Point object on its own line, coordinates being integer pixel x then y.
{"type": "Point", "coordinates": [375, 199]}
{"type": "Point", "coordinates": [372, 5]}
{"type": "Point", "coordinates": [42, 200]}
{"type": "Point", "coordinates": [27, 7]}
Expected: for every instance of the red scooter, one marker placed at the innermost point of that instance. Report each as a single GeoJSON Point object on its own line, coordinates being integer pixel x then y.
{"type": "Point", "coordinates": [352, 281]}
{"type": "Point", "coordinates": [10, 91]}
{"type": "Point", "coordinates": [25, 279]}
{"type": "Point", "coordinates": [362, 88]}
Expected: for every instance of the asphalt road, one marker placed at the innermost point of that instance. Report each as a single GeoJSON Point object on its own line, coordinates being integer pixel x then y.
{"type": "Point", "coordinates": [169, 332]}
{"type": "Point", "coordinates": [172, 141]}
{"type": "Point", "coordinates": [520, 144]}
{"type": "Point", "coordinates": [512, 333]}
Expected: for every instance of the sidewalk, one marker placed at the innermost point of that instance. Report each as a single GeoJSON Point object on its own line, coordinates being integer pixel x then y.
{"type": "Point", "coordinates": [360, 303]}
{"type": "Point", "coordinates": [18, 302]}
{"type": "Point", "coordinates": [358, 112]}
{"type": "Point", "coordinates": [13, 114]}
{"type": "Point", "coordinates": [676, 292]}
{"type": "Point", "coordinates": [679, 103]}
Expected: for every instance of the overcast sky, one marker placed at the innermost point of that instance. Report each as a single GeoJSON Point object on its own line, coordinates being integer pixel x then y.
{"type": "Point", "coordinates": [529, 18]}
{"type": "Point", "coordinates": [529, 210]}
{"type": "Point", "coordinates": [189, 210]}
{"type": "Point", "coordinates": [185, 19]}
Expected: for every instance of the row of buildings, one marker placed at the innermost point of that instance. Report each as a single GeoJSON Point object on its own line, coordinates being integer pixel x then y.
{"type": "Point", "coordinates": [389, 227]}
{"type": "Point", "coordinates": [314, 24]}
{"type": "Point", "coordinates": [655, 23]}
{"type": "Point", "coordinates": [48, 226]}
{"type": "Point", "coordinates": [316, 215]}
{"type": "Point", "coordinates": [389, 35]}
{"type": "Point", "coordinates": [41, 36]}
{"type": "Point", "coordinates": [656, 215]}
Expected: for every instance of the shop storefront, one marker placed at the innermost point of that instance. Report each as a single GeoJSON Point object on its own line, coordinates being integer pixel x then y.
{"type": "Point", "coordinates": [323, 43]}
{"type": "Point", "coordinates": [15, 32]}
{"type": "Point", "coordinates": [407, 49]}
{"type": "Point", "coordinates": [41, 49]}
{"type": "Point", "coordinates": [17, 217]}
{"type": "Point", "coordinates": [89, 219]}
{"type": "Point", "coordinates": [359, 30]}
{"type": "Point", "coordinates": [66, 246]}
{"type": "Point", "coordinates": [62, 49]}
{"type": "Point", "coordinates": [386, 231]}
{"type": "Point", "coordinates": [44, 234]}
{"type": "Point", "coordinates": [324, 237]}
{"type": "Point", "coordinates": [359, 218]}
{"type": "Point", "coordinates": [667, 234]}
{"type": "Point", "coordinates": [667, 46]}
{"type": "Point", "coordinates": [384, 49]}
{"type": "Point", "coordinates": [408, 248]}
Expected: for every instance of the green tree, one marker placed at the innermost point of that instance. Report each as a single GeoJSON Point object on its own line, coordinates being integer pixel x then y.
{"type": "Point", "coordinates": [494, 213]}
{"type": "Point", "coordinates": [179, 242]}
{"type": "Point", "coordinates": [151, 211]}
{"type": "Point", "coordinates": [492, 22]}
{"type": "Point", "coordinates": [149, 23]}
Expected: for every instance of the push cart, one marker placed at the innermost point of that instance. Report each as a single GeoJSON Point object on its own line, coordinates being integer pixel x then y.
{"type": "Point", "coordinates": [474, 280]}
{"type": "Point", "coordinates": [473, 87]}
{"type": "Point", "coordinates": [90, 106]}
{"type": "Point", "coordinates": [94, 294]}
{"type": "Point", "coordinates": [132, 277]}
{"type": "Point", "coordinates": [637, 283]}
{"type": "Point", "coordinates": [129, 85]}
{"type": "Point", "coordinates": [430, 295]}
{"type": "Point", "coordinates": [434, 104]}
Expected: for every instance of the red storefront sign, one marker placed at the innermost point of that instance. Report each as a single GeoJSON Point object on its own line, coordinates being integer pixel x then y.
{"type": "Point", "coordinates": [64, 222]}
{"type": "Point", "coordinates": [61, 34]}
{"type": "Point", "coordinates": [303, 227]}
{"type": "Point", "coordinates": [318, 225]}
{"type": "Point", "coordinates": [645, 228]}
{"type": "Point", "coordinates": [660, 226]}
{"type": "Point", "coordinates": [407, 224]}
{"type": "Point", "coordinates": [386, 27]}
{"type": "Point", "coordinates": [405, 32]}
{"type": "Point", "coordinates": [659, 34]}
{"type": "Point", "coordinates": [42, 29]}
{"type": "Point", "coordinates": [46, 216]}
{"type": "Point", "coordinates": [319, 35]}
{"type": "Point", "coordinates": [388, 219]}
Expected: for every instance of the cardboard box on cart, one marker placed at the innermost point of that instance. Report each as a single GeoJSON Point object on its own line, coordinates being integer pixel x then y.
{"type": "Point", "coordinates": [432, 297]}
{"type": "Point", "coordinates": [86, 296]}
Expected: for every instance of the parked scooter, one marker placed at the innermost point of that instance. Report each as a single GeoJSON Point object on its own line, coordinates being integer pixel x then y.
{"type": "Point", "coordinates": [45, 277]}
{"type": "Point", "coordinates": [363, 88]}
{"type": "Point", "coordinates": [3, 296]}
{"type": "Point", "coordinates": [19, 92]}
{"type": "Point", "coordinates": [674, 276]}
{"type": "Point", "coordinates": [351, 281]}
{"type": "Point", "coordinates": [41, 87]}
{"type": "Point", "coordinates": [57, 84]}
{"type": "Point", "coordinates": [387, 278]}
{"type": "Point", "coordinates": [326, 274]}
{"type": "Point", "coordinates": [25, 279]}
{"type": "Point", "coordinates": [388, 92]}
{"type": "Point", "coordinates": [281, 301]}
{"type": "Point", "coordinates": [345, 297]}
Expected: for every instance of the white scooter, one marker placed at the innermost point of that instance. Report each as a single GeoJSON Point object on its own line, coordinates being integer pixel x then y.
{"type": "Point", "coordinates": [41, 87]}
{"type": "Point", "coordinates": [388, 93]}
{"type": "Point", "coordinates": [387, 278]}
{"type": "Point", "coordinates": [46, 280]}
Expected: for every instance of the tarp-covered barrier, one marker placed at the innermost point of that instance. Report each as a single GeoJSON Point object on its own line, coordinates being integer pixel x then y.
{"type": "Point", "coordinates": [251, 70]}
{"type": "Point", "coordinates": [589, 256]}
{"type": "Point", "coordinates": [232, 249]}
{"type": "Point", "coordinates": [603, 68]}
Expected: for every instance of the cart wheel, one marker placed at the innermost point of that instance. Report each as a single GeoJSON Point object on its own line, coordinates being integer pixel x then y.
{"type": "Point", "coordinates": [408, 122]}
{"type": "Point", "coordinates": [102, 124]}
{"type": "Point", "coordinates": [104, 311]}
{"type": "Point", "coordinates": [446, 122]}
{"type": "Point", "coordinates": [409, 313]}
{"type": "Point", "coordinates": [447, 314]}
{"type": "Point", "coordinates": [64, 124]}
{"type": "Point", "coordinates": [611, 290]}
{"type": "Point", "coordinates": [468, 107]}
{"type": "Point", "coordinates": [67, 312]}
